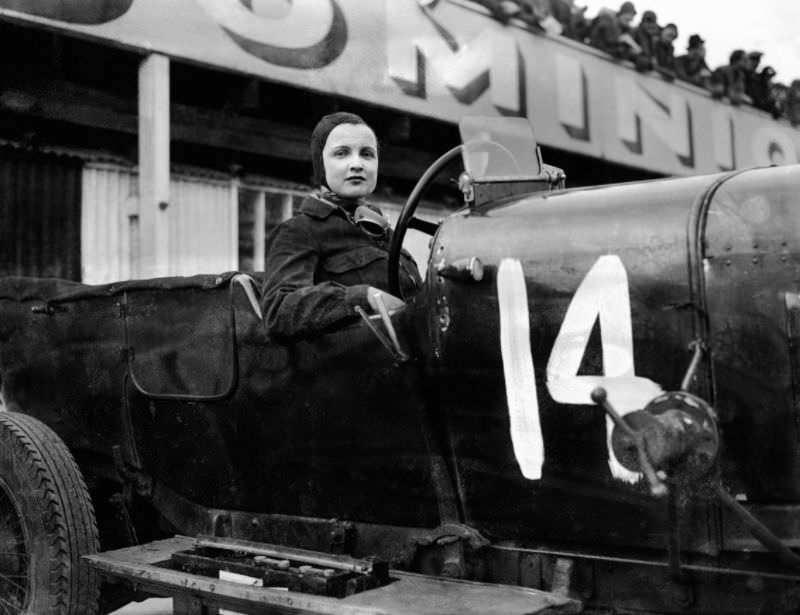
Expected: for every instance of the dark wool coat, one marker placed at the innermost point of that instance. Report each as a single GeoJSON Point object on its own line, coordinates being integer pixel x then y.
{"type": "Point", "coordinates": [318, 268]}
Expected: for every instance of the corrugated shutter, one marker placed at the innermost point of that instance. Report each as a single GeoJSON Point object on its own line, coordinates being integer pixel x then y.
{"type": "Point", "coordinates": [201, 218]}
{"type": "Point", "coordinates": [40, 209]}
{"type": "Point", "coordinates": [202, 226]}
{"type": "Point", "coordinates": [109, 196]}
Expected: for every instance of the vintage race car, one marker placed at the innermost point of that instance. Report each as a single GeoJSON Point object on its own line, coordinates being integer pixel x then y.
{"type": "Point", "coordinates": [594, 395]}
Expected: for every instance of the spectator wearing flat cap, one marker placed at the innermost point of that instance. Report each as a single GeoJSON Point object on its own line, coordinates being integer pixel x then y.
{"type": "Point", "coordinates": [692, 66]}
{"type": "Point", "coordinates": [612, 32]}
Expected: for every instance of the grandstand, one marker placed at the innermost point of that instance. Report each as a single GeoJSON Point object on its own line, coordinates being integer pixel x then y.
{"type": "Point", "coordinates": [135, 143]}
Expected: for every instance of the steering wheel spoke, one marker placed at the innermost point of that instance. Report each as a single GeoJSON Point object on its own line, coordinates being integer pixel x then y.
{"type": "Point", "coordinates": [418, 224]}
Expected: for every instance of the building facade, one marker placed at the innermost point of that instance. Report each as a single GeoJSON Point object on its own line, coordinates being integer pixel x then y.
{"type": "Point", "coordinates": [144, 138]}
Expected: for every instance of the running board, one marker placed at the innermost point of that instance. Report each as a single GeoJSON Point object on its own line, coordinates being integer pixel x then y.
{"type": "Point", "coordinates": [148, 566]}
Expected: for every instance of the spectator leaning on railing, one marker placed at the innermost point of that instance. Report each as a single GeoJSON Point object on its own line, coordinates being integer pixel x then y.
{"type": "Point", "coordinates": [646, 36]}
{"type": "Point", "coordinates": [665, 51]}
{"type": "Point", "coordinates": [612, 32]}
{"type": "Point", "coordinates": [761, 91]}
{"type": "Point", "coordinates": [751, 75]}
{"type": "Point", "coordinates": [572, 18]}
{"type": "Point", "coordinates": [651, 47]}
{"type": "Point", "coordinates": [730, 80]}
{"type": "Point", "coordinates": [539, 15]}
{"type": "Point", "coordinates": [692, 65]}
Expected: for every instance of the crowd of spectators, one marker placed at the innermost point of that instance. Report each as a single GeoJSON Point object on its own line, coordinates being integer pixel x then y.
{"type": "Point", "coordinates": [649, 46]}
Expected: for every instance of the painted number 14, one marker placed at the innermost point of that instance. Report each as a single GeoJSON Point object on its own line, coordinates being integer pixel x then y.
{"type": "Point", "coordinates": [602, 294]}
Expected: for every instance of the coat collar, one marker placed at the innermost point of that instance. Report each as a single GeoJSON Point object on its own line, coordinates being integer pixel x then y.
{"type": "Point", "coordinates": [321, 209]}
{"type": "Point", "coordinates": [316, 208]}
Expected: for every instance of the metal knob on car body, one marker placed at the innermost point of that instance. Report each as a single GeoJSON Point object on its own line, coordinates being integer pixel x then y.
{"type": "Point", "coordinates": [468, 269]}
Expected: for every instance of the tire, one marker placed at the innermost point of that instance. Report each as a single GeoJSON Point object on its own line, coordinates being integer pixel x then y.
{"type": "Point", "coordinates": [47, 523]}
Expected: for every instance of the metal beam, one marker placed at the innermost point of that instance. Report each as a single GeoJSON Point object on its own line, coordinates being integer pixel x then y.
{"type": "Point", "coordinates": [69, 102]}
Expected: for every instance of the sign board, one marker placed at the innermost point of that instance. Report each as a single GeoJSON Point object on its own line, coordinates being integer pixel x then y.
{"type": "Point", "coordinates": [443, 60]}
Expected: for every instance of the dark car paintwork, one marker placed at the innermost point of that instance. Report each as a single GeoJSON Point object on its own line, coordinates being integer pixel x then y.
{"type": "Point", "coordinates": [319, 429]}
{"type": "Point", "coordinates": [731, 296]}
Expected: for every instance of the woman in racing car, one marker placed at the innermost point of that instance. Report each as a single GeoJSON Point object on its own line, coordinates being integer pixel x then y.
{"type": "Point", "coordinates": [332, 256]}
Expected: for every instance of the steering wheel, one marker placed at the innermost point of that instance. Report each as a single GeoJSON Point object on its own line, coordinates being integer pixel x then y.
{"type": "Point", "coordinates": [407, 220]}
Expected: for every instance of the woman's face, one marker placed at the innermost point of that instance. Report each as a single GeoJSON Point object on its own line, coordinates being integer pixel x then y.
{"type": "Point", "coordinates": [350, 157]}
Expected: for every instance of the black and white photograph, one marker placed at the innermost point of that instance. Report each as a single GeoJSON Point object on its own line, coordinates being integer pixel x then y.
{"type": "Point", "coordinates": [399, 307]}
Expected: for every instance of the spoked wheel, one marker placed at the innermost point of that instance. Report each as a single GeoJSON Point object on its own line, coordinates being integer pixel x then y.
{"type": "Point", "coordinates": [46, 523]}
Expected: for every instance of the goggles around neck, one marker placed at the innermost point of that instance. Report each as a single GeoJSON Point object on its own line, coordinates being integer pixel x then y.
{"type": "Point", "coordinates": [370, 221]}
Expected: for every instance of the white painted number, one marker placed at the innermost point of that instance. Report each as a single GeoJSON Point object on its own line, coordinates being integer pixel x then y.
{"type": "Point", "coordinates": [602, 294]}
{"type": "Point", "coordinates": [515, 345]}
